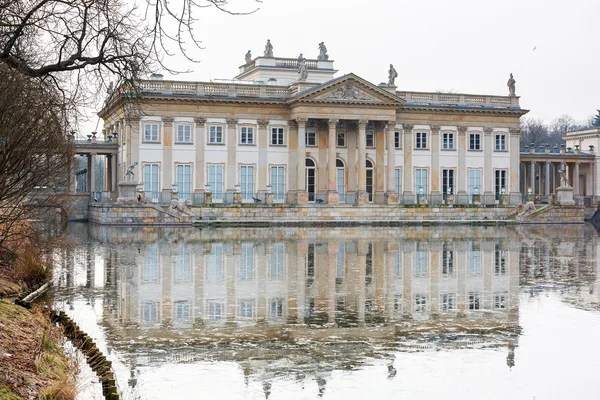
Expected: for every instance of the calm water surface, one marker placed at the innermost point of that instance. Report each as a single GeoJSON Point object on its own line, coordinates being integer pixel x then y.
{"type": "Point", "coordinates": [339, 313]}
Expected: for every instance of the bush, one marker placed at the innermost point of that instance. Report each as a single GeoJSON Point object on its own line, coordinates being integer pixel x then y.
{"type": "Point", "coordinates": [30, 268]}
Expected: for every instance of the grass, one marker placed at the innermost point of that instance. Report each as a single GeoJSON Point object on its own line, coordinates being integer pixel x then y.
{"type": "Point", "coordinates": [32, 361]}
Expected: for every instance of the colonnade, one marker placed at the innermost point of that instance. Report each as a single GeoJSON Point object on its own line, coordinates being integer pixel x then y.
{"type": "Point", "coordinates": [543, 177]}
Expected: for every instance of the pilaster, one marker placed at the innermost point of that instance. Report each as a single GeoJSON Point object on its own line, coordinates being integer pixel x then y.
{"type": "Point", "coordinates": [407, 180]}
{"type": "Point", "coordinates": [167, 167]}
{"type": "Point", "coordinates": [231, 165]}
{"type": "Point", "coordinates": [263, 140]}
{"type": "Point", "coordinates": [199, 143]}
{"type": "Point", "coordinates": [514, 143]}
{"type": "Point", "coordinates": [362, 162]}
{"type": "Point", "coordinates": [302, 195]}
{"type": "Point", "coordinates": [332, 195]}
{"type": "Point", "coordinates": [488, 171]}
{"type": "Point", "coordinates": [462, 168]}
{"type": "Point", "coordinates": [435, 163]}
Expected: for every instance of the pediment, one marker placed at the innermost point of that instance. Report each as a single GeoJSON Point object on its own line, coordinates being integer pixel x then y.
{"type": "Point", "coordinates": [348, 89]}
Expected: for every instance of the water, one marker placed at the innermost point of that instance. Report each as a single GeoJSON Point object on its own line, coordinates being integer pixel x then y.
{"type": "Point", "coordinates": [339, 313]}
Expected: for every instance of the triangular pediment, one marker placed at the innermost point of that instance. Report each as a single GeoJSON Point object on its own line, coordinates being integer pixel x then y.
{"type": "Point", "coordinates": [348, 89]}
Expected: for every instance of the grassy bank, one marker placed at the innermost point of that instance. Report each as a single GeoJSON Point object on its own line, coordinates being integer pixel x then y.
{"type": "Point", "coordinates": [32, 361]}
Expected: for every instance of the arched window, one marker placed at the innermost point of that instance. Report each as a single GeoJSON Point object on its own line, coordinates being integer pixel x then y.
{"type": "Point", "coordinates": [340, 179]}
{"type": "Point", "coordinates": [311, 178]}
{"type": "Point", "coordinates": [370, 177]}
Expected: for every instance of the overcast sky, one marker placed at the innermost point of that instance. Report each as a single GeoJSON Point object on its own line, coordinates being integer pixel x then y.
{"type": "Point", "coordinates": [469, 46]}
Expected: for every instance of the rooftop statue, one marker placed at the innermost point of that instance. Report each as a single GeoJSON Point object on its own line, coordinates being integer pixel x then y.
{"type": "Point", "coordinates": [392, 75]}
{"type": "Point", "coordinates": [248, 57]}
{"type": "Point", "coordinates": [268, 49]}
{"type": "Point", "coordinates": [302, 69]}
{"type": "Point", "coordinates": [322, 52]}
{"type": "Point", "coordinates": [511, 85]}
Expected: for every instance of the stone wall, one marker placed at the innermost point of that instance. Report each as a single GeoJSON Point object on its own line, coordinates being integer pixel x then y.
{"type": "Point", "coordinates": [77, 206]}
{"type": "Point", "coordinates": [134, 214]}
{"type": "Point", "coordinates": [556, 215]}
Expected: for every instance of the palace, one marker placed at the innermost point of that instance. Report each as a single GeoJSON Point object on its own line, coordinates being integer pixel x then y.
{"type": "Point", "coordinates": [289, 127]}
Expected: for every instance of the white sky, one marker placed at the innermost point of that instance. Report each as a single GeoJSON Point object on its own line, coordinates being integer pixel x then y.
{"type": "Point", "coordinates": [469, 46]}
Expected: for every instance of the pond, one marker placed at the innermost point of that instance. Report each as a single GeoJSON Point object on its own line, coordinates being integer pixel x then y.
{"type": "Point", "coordinates": [453, 312]}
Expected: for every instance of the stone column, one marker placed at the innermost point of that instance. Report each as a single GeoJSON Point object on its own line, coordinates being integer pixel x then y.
{"type": "Point", "coordinates": [263, 143]}
{"type": "Point", "coordinates": [435, 164]}
{"type": "Point", "coordinates": [513, 183]}
{"type": "Point", "coordinates": [332, 194]}
{"type": "Point", "coordinates": [108, 173]}
{"type": "Point", "coordinates": [167, 165]}
{"type": "Point", "coordinates": [92, 172]}
{"type": "Point", "coordinates": [576, 179]}
{"type": "Point", "coordinates": [547, 191]}
{"type": "Point", "coordinates": [488, 171]}
{"type": "Point", "coordinates": [532, 177]}
{"type": "Point", "coordinates": [362, 195]}
{"type": "Point", "coordinates": [392, 196]}
{"type": "Point", "coordinates": [199, 141]}
{"type": "Point", "coordinates": [302, 194]}
{"type": "Point", "coordinates": [407, 181]}
{"type": "Point", "coordinates": [462, 162]}
{"type": "Point", "coordinates": [231, 165]}
{"type": "Point", "coordinates": [113, 173]}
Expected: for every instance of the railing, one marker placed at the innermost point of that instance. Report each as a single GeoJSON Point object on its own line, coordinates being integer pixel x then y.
{"type": "Point", "coordinates": [293, 63]}
{"type": "Point", "coordinates": [459, 99]}
{"type": "Point", "coordinates": [215, 89]}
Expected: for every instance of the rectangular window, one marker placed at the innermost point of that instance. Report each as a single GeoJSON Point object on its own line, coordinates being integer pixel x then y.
{"type": "Point", "coordinates": [397, 265]}
{"type": "Point", "coordinates": [215, 182]}
{"type": "Point", "coordinates": [447, 260]}
{"type": "Point", "coordinates": [150, 132]}
{"type": "Point", "coordinates": [215, 134]}
{"type": "Point", "coordinates": [421, 260]}
{"type": "Point", "coordinates": [397, 143]}
{"type": "Point", "coordinates": [448, 301]}
{"type": "Point", "coordinates": [420, 303]}
{"type": "Point", "coordinates": [150, 311]}
{"type": "Point", "coordinates": [475, 141]}
{"type": "Point", "coordinates": [246, 309]}
{"type": "Point", "coordinates": [247, 262]}
{"type": "Point", "coordinates": [310, 261]}
{"type": "Point", "coordinates": [247, 182]}
{"type": "Point", "coordinates": [447, 182]}
{"type": "Point", "coordinates": [499, 260]}
{"type": "Point", "coordinates": [277, 136]}
{"type": "Point", "coordinates": [278, 184]}
{"type": "Point", "coordinates": [474, 181]}
{"type": "Point", "coordinates": [150, 271]}
{"type": "Point", "coordinates": [421, 140]}
{"type": "Point", "coordinates": [151, 183]}
{"type": "Point", "coordinates": [474, 301]}
{"type": "Point", "coordinates": [499, 182]}
{"type": "Point", "coordinates": [370, 137]}
{"type": "Point", "coordinates": [214, 263]}
{"type": "Point", "coordinates": [184, 133]}
{"type": "Point", "coordinates": [421, 181]}
{"type": "Point", "coordinates": [474, 258]}
{"type": "Point", "coordinates": [183, 266]}
{"type": "Point", "coordinates": [182, 310]}
{"type": "Point", "coordinates": [397, 180]}
{"type": "Point", "coordinates": [369, 261]}
{"type": "Point", "coordinates": [214, 310]}
{"type": "Point", "coordinates": [277, 260]}
{"type": "Point", "coordinates": [276, 309]}
{"type": "Point", "coordinates": [311, 137]}
{"type": "Point", "coordinates": [447, 141]}
{"type": "Point", "coordinates": [500, 301]}
{"type": "Point", "coordinates": [500, 142]}
{"type": "Point", "coordinates": [341, 138]}
{"type": "Point", "coordinates": [247, 135]}
{"type": "Point", "coordinates": [184, 181]}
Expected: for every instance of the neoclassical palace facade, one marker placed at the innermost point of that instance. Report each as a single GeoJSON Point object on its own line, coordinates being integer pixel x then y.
{"type": "Point", "coordinates": [315, 138]}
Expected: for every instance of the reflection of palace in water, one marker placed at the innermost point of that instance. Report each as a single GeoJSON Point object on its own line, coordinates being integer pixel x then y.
{"type": "Point", "coordinates": [346, 277]}
{"type": "Point", "coordinates": [316, 300]}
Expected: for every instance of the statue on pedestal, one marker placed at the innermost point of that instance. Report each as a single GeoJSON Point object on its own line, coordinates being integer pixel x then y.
{"type": "Point", "coordinates": [392, 75]}
{"type": "Point", "coordinates": [129, 173]}
{"type": "Point", "coordinates": [323, 52]}
{"type": "Point", "coordinates": [248, 57]}
{"type": "Point", "coordinates": [564, 182]}
{"type": "Point", "coordinates": [268, 49]}
{"type": "Point", "coordinates": [511, 85]}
